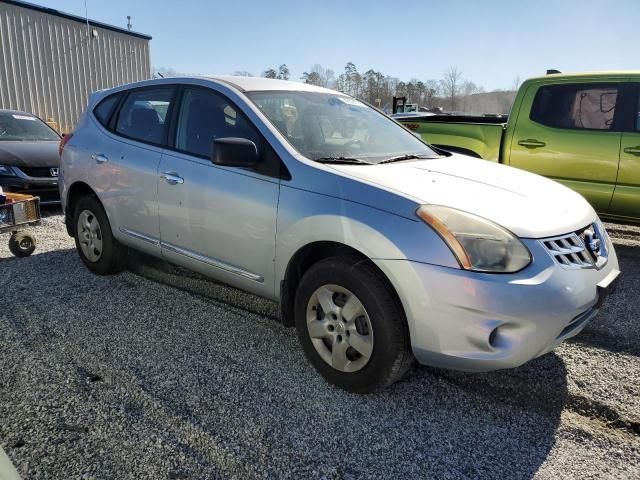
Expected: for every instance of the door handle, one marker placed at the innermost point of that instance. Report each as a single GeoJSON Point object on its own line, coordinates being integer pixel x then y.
{"type": "Point", "coordinates": [531, 143]}
{"type": "Point", "coordinates": [633, 150]}
{"type": "Point", "coordinates": [100, 158]}
{"type": "Point", "coordinates": [172, 178]}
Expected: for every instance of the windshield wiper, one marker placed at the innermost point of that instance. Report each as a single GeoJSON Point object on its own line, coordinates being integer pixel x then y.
{"type": "Point", "coordinates": [341, 160]}
{"type": "Point", "coordinates": [400, 158]}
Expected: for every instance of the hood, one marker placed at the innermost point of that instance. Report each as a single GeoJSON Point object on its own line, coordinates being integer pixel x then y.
{"type": "Point", "coordinates": [29, 154]}
{"type": "Point", "coordinates": [529, 205]}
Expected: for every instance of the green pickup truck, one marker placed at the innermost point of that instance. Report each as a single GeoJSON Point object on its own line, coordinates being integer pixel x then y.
{"type": "Point", "coordinates": [582, 130]}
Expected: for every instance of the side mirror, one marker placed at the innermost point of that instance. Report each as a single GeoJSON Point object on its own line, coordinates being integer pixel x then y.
{"type": "Point", "coordinates": [235, 152]}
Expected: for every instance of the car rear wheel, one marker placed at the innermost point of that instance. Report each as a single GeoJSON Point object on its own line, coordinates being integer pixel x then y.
{"type": "Point", "coordinates": [98, 249]}
{"type": "Point", "coordinates": [351, 326]}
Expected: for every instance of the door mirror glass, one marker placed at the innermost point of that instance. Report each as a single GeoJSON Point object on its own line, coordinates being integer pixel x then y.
{"type": "Point", "coordinates": [235, 152]}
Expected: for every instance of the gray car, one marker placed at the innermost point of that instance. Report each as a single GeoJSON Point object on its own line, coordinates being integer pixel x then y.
{"type": "Point", "coordinates": [29, 157]}
{"type": "Point", "coordinates": [379, 248]}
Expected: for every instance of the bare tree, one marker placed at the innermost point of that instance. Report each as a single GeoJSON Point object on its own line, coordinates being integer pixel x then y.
{"type": "Point", "coordinates": [451, 86]}
{"type": "Point", "coordinates": [325, 76]}
{"type": "Point", "coordinates": [516, 83]}
{"type": "Point", "coordinates": [242, 73]}
{"type": "Point", "coordinates": [468, 89]}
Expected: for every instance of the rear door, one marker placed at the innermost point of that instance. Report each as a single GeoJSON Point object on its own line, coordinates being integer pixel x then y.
{"type": "Point", "coordinates": [571, 134]}
{"type": "Point", "coordinates": [141, 127]}
{"type": "Point", "coordinates": [216, 219]}
{"type": "Point", "coordinates": [626, 197]}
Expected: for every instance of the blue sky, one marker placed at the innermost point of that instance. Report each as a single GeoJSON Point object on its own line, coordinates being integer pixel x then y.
{"type": "Point", "coordinates": [490, 41]}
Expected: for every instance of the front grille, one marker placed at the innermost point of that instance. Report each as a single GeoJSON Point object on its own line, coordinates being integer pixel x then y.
{"type": "Point", "coordinates": [38, 172]}
{"type": "Point", "coordinates": [575, 249]}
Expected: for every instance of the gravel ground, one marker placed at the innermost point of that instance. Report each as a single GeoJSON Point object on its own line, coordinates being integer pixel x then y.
{"type": "Point", "coordinates": [158, 373]}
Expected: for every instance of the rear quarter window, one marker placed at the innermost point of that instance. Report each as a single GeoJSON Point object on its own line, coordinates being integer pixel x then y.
{"type": "Point", "coordinates": [105, 108]}
{"type": "Point", "coordinates": [576, 106]}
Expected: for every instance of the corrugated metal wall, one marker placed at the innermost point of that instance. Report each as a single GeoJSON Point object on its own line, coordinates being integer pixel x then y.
{"type": "Point", "coordinates": [49, 65]}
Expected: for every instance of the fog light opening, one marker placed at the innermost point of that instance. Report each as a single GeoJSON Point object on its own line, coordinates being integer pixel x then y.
{"type": "Point", "coordinates": [493, 338]}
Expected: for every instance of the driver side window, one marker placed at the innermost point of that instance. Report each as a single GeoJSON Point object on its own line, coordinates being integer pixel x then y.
{"type": "Point", "coordinates": [206, 116]}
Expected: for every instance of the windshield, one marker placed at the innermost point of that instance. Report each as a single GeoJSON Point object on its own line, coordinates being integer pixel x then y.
{"type": "Point", "coordinates": [325, 126]}
{"type": "Point", "coordinates": [24, 127]}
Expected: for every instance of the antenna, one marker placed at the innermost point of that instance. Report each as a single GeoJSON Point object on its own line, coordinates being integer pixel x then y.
{"type": "Point", "coordinates": [86, 17]}
{"type": "Point", "coordinates": [129, 22]}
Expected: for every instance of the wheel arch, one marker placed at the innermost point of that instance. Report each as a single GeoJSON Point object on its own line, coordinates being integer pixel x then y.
{"type": "Point", "coordinates": [308, 255]}
{"type": "Point", "coordinates": [76, 191]}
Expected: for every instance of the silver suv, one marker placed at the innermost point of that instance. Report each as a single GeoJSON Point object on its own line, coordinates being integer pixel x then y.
{"type": "Point", "coordinates": [379, 248]}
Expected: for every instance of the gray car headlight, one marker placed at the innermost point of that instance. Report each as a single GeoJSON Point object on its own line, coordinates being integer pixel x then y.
{"type": "Point", "coordinates": [477, 243]}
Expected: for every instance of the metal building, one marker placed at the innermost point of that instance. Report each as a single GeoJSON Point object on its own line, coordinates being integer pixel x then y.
{"type": "Point", "coordinates": [51, 61]}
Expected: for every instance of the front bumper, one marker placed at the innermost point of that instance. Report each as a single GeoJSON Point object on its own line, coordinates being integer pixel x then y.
{"type": "Point", "coordinates": [479, 322]}
{"type": "Point", "coordinates": [46, 189]}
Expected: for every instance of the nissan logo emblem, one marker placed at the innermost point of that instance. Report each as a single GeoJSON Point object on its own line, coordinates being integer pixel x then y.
{"type": "Point", "coordinates": [592, 242]}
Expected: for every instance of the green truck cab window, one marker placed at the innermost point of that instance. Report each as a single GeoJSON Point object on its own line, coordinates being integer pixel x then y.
{"type": "Point", "coordinates": [576, 106]}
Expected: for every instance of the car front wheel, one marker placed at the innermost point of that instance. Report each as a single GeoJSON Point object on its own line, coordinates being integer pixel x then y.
{"type": "Point", "coordinates": [351, 326]}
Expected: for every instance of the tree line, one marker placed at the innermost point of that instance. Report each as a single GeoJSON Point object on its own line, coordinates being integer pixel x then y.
{"type": "Point", "coordinates": [452, 92]}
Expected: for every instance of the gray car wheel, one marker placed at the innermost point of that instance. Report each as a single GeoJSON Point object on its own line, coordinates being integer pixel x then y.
{"type": "Point", "coordinates": [99, 250]}
{"type": "Point", "coordinates": [89, 235]}
{"type": "Point", "coordinates": [351, 324]}
{"type": "Point", "coordinates": [340, 328]}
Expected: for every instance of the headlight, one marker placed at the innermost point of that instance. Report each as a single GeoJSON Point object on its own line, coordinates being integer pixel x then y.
{"type": "Point", "coordinates": [477, 243]}
{"type": "Point", "coordinates": [6, 171]}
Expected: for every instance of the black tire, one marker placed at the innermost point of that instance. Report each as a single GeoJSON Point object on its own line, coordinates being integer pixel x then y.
{"type": "Point", "coordinates": [22, 244]}
{"type": "Point", "coordinates": [391, 356]}
{"type": "Point", "coordinates": [113, 258]}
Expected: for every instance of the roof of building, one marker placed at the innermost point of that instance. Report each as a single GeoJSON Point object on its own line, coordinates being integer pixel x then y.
{"type": "Point", "coordinates": [74, 18]}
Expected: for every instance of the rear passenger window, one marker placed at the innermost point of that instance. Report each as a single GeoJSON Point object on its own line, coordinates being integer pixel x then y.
{"type": "Point", "coordinates": [143, 115]}
{"type": "Point", "coordinates": [578, 106]}
{"type": "Point", "coordinates": [105, 108]}
{"type": "Point", "coordinates": [206, 115]}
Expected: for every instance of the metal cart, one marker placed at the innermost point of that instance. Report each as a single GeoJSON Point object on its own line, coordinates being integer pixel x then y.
{"type": "Point", "coordinates": [23, 211]}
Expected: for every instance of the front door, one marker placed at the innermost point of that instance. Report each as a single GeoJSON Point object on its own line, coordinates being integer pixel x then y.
{"type": "Point", "coordinates": [626, 198]}
{"type": "Point", "coordinates": [218, 220]}
{"type": "Point", "coordinates": [571, 135]}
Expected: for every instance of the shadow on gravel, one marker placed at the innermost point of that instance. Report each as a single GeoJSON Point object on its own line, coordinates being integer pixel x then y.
{"type": "Point", "coordinates": [184, 378]}
{"type": "Point", "coordinates": [616, 327]}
